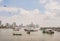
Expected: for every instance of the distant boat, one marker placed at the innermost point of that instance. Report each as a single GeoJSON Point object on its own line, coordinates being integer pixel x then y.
{"type": "Point", "coordinates": [16, 34]}
{"type": "Point", "coordinates": [58, 30]}
{"type": "Point", "coordinates": [48, 31]}
{"type": "Point", "coordinates": [30, 30]}
{"type": "Point", "coordinates": [25, 29]}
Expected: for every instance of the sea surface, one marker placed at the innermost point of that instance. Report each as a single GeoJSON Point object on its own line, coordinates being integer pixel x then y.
{"type": "Point", "coordinates": [7, 35]}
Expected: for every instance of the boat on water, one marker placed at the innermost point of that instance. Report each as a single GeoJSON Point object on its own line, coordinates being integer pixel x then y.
{"type": "Point", "coordinates": [25, 29]}
{"type": "Point", "coordinates": [16, 34]}
{"type": "Point", "coordinates": [16, 31]}
{"type": "Point", "coordinates": [48, 31]}
{"type": "Point", "coordinates": [31, 29]}
{"type": "Point", "coordinates": [28, 32]}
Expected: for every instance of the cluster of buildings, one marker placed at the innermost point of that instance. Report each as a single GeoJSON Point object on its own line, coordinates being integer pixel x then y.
{"type": "Point", "coordinates": [7, 25]}
{"type": "Point", "coordinates": [13, 25]}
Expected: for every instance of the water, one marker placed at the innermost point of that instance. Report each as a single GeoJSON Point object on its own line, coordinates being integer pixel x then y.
{"type": "Point", "coordinates": [7, 35]}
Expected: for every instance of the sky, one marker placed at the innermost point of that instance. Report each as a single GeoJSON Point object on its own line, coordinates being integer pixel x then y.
{"type": "Point", "coordinates": [46, 13]}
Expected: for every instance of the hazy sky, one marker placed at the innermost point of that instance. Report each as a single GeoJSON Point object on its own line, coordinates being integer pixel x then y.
{"type": "Point", "coordinates": [42, 12]}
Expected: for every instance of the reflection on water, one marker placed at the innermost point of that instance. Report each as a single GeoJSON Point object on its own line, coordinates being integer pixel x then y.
{"type": "Point", "coordinates": [7, 35]}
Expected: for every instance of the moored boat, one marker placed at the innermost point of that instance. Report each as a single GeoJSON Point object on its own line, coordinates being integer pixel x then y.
{"type": "Point", "coordinates": [48, 31]}
{"type": "Point", "coordinates": [16, 34]}
{"type": "Point", "coordinates": [28, 32]}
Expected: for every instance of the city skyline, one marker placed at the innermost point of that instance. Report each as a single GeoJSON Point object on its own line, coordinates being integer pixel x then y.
{"type": "Point", "coordinates": [20, 25]}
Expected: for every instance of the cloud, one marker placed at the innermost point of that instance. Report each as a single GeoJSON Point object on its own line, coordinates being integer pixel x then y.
{"type": "Point", "coordinates": [51, 17]}
{"type": "Point", "coordinates": [9, 9]}
{"type": "Point", "coordinates": [1, 1]}
{"type": "Point", "coordinates": [43, 1]}
{"type": "Point", "coordinates": [53, 7]}
{"type": "Point", "coordinates": [35, 16]}
{"type": "Point", "coordinates": [25, 17]}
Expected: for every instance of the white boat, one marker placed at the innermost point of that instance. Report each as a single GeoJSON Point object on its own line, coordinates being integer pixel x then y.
{"type": "Point", "coordinates": [48, 31]}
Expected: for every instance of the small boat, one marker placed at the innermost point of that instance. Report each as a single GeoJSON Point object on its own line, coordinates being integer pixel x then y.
{"type": "Point", "coordinates": [16, 34]}
{"type": "Point", "coordinates": [44, 31]}
{"type": "Point", "coordinates": [25, 30]}
{"type": "Point", "coordinates": [28, 32]}
{"type": "Point", "coordinates": [58, 30]}
{"type": "Point", "coordinates": [48, 31]}
{"type": "Point", "coordinates": [33, 30]}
